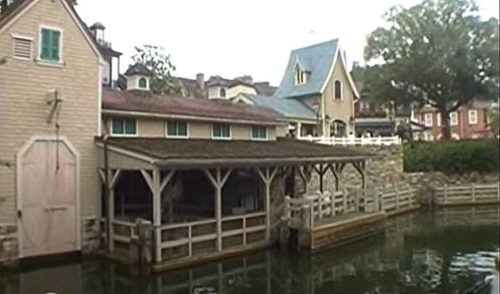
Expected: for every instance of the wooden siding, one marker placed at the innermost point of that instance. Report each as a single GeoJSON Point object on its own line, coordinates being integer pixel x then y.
{"type": "Point", "coordinates": [24, 85]}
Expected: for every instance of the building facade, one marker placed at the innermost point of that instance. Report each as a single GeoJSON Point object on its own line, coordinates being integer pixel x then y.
{"type": "Point", "coordinates": [48, 119]}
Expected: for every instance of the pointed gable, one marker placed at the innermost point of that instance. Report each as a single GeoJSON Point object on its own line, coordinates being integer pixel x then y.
{"type": "Point", "coordinates": [317, 60]}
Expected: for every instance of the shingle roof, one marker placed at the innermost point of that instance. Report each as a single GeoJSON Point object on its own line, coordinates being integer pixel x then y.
{"type": "Point", "coordinates": [172, 152]}
{"type": "Point", "coordinates": [264, 89]}
{"type": "Point", "coordinates": [138, 69]}
{"type": "Point", "coordinates": [317, 60]}
{"type": "Point", "coordinates": [192, 89]}
{"type": "Point", "coordinates": [201, 109]}
{"type": "Point", "coordinates": [289, 108]}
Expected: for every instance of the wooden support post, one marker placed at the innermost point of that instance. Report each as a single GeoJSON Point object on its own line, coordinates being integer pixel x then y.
{"type": "Point", "coordinates": [218, 182]}
{"type": "Point", "coordinates": [112, 177]}
{"type": "Point", "coordinates": [267, 177]}
{"type": "Point", "coordinates": [156, 185]}
{"type": "Point", "coordinates": [321, 169]}
{"type": "Point", "coordinates": [473, 193]}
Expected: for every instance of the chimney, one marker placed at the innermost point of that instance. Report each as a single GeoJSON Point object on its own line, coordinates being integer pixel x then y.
{"type": "Point", "coordinates": [200, 81]}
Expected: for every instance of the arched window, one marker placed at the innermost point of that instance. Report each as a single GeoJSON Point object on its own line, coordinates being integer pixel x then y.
{"type": "Point", "coordinates": [338, 90]}
{"type": "Point", "coordinates": [143, 84]}
{"type": "Point", "coordinates": [222, 92]}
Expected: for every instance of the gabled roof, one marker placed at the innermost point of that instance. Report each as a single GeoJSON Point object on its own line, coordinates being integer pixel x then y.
{"type": "Point", "coordinates": [138, 69]}
{"type": "Point", "coordinates": [141, 103]}
{"type": "Point", "coordinates": [290, 108]}
{"type": "Point", "coordinates": [203, 152]}
{"type": "Point", "coordinates": [318, 61]}
{"type": "Point", "coordinates": [16, 10]}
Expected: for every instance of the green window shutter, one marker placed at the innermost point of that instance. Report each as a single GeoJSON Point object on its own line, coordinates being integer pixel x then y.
{"type": "Point", "coordinates": [182, 128]}
{"type": "Point", "coordinates": [216, 130]}
{"type": "Point", "coordinates": [171, 128]}
{"type": "Point", "coordinates": [55, 45]}
{"type": "Point", "coordinates": [226, 133]}
{"type": "Point", "coordinates": [130, 127]}
{"type": "Point", "coordinates": [45, 54]}
{"type": "Point", "coordinates": [117, 126]}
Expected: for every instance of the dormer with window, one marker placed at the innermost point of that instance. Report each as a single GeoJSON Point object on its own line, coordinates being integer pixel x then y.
{"type": "Point", "coordinates": [300, 76]}
{"type": "Point", "coordinates": [138, 77]}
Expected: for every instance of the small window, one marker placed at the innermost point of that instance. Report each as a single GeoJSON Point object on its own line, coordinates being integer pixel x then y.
{"type": "Point", "coordinates": [453, 119]}
{"type": "Point", "coordinates": [21, 47]}
{"type": "Point", "coordinates": [143, 84]}
{"type": "Point", "coordinates": [177, 129]}
{"type": "Point", "coordinates": [50, 45]}
{"type": "Point", "coordinates": [222, 92]}
{"type": "Point", "coordinates": [338, 90]}
{"type": "Point", "coordinates": [428, 120]}
{"type": "Point", "coordinates": [221, 131]}
{"type": "Point", "coordinates": [300, 76]}
{"type": "Point", "coordinates": [259, 133]}
{"type": "Point", "coordinates": [472, 117]}
{"type": "Point", "coordinates": [123, 127]}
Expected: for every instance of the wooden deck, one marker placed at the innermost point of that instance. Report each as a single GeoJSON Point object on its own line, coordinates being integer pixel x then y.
{"type": "Point", "coordinates": [346, 228]}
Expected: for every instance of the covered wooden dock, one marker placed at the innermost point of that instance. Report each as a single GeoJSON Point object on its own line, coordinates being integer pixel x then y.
{"type": "Point", "coordinates": [205, 199]}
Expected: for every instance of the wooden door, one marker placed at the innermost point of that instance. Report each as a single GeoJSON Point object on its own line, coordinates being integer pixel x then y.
{"type": "Point", "coordinates": [47, 197]}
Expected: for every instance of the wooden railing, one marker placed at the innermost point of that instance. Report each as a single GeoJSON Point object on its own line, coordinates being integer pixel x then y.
{"type": "Point", "coordinates": [393, 199]}
{"type": "Point", "coordinates": [123, 231]}
{"type": "Point", "coordinates": [395, 140]}
{"type": "Point", "coordinates": [470, 194]}
{"type": "Point", "coordinates": [191, 238]}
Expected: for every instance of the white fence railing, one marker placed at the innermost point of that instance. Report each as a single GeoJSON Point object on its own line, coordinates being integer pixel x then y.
{"type": "Point", "coordinates": [395, 140]}
{"type": "Point", "coordinates": [471, 194]}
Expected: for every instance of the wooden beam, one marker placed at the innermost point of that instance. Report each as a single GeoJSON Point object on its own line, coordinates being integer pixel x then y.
{"type": "Point", "coordinates": [166, 180]}
{"type": "Point", "coordinates": [115, 177]}
{"type": "Point", "coordinates": [336, 175]}
{"type": "Point", "coordinates": [157, 213]}
{"type": "Point", "coordinates": [267, 177]}
{"type": "Point", "coordinates": [149, 180]}
{"type": "Point", "coordinates": [303, 177]}
{"type": "Point", "coordinates": [218, 182]}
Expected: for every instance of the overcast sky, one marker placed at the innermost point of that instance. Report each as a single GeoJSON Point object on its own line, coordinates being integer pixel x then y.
{"type": "Point", "coordinates": [235, 37]}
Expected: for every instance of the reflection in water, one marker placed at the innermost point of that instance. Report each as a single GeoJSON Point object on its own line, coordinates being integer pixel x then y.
{"type": "Point", "coordinates": [439, 252]}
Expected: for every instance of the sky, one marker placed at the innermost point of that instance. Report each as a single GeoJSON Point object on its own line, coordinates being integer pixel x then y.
{"type": "Point", "coordinates": [232, 38]}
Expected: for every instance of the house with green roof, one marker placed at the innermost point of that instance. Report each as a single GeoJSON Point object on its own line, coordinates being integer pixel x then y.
{"type": "Point", "coordinates": [316, 94]}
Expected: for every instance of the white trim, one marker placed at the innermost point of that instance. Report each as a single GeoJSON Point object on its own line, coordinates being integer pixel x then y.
{"type": "Point", "coordinates": [220, 138]}
{"type": "Point", "coordinates": [330, 73]}
{"type": "Point", "coordinates": [19, 191]}
{"type": "Point", "coordinates": [240, 98]}
{"type": "Point", "coordinates": [38, 58]}
{"type": "Point", "coordinates": [177, 136]}
{"type": "Point", "coordinates": [135, 155]}
{"type": "Point", "coordinates": [25, 38]}
{"type": "Point", "coordinates": [429, 123]}
{"type": "Point", "coordinates": [258, 139]}
{"type": "Point", "coordinates": [453, 122]}
{"type": "Point", "coordinates": [471, 122]}
{"type": "Point", "coordinates": [99, 100]}
{"type": "Point", "coordinates": [123, 135]}
{"type": "Point", "coordinates": [189, 117]}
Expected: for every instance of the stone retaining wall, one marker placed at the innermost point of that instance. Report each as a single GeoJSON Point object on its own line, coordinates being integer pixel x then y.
{"type": "Point", "coordinates": [8, 244]}
{"type": "Point", "coordinates": [90, 235]}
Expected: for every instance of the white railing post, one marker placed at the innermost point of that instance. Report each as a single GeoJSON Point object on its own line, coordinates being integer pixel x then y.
{"type": "Point", "coordinates": [445, 194]}
{"type": "Point", "coordinates": [473, 193]}
{"type": "Point", "coordinates": [320, 206]}
{"type": "Point", "coordinates": [397, 197]}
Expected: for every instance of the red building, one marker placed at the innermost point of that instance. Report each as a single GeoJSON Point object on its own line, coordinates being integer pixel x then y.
{"type": "Point", "coordinates": [468, 122]}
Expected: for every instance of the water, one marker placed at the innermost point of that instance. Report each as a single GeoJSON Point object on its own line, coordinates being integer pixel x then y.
{"type": "Point", "coordinates": [441, 252]}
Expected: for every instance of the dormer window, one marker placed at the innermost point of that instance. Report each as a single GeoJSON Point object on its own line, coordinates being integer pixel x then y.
{"type": "Point", "coordinates": [300, 76]}
{"type": "Point", "coordinates": [222, 92]}
{"type": "Point", "coordinates": [143, 83]}
{"type": "Point", "coordinates": [338, 89]}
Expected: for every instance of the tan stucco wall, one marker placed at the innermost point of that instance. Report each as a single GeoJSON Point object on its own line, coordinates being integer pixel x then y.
{"type": "Point", "coordinates": [339, 109]}
{"type": "Point", "coordinates": [196, 130]}
{"type": "Point", "coordinates": [23, 88]}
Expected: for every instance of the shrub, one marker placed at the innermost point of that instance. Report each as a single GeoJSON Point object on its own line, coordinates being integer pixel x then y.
{"type": "Point", "coordinates": [452, 157]}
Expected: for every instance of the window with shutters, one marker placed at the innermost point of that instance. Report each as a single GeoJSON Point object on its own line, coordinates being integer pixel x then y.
{"type": "Point", "coordinates": [21, 47]}
{"type": "Point", "coordinates": [50, 45]}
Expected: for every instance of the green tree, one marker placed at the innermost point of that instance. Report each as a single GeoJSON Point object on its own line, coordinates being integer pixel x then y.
{"type": "Point", "coordinates": [155, 59]}
{"type": "Point", "coordinates": [440, 53]}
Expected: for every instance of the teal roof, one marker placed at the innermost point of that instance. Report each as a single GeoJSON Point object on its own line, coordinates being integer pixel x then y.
{"type": "Point", "coordinates": [317, 61]}
{"type": "Point", "coordinates": [290, 108]}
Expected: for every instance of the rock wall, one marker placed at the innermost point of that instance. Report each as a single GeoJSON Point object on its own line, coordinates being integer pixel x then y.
{"type": "Point", "coordinates": [8, 244]}
{"type": "Point", "coordinates": [90, 235]}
